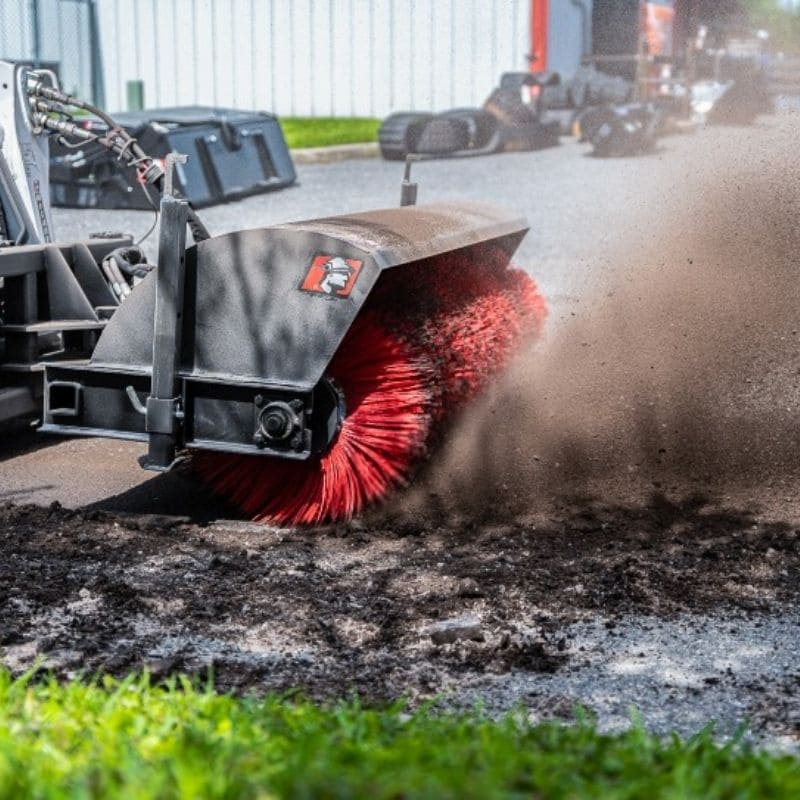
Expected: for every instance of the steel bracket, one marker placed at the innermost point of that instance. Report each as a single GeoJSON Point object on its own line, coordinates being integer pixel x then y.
{"type": "Point", "coordinates": [162, 416]}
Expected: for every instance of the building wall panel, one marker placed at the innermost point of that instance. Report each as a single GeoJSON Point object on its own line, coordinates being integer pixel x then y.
{"type": "Point", "coordinates": [294, 57]}
{"type": "Point", "coordinates": [311, 57]}
{"type": "Point", "coordinates": [569, 34]}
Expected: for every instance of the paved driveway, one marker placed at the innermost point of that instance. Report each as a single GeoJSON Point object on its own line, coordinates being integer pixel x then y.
{"type": "Point", "coordinates": [584, 213]}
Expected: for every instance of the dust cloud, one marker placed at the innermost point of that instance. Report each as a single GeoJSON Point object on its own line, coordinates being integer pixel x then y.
{"type": "Point", "coordinates": [684, 376]}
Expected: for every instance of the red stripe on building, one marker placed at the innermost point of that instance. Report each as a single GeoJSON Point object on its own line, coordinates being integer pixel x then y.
{"type": "Point", "coordinates": [539, 14]}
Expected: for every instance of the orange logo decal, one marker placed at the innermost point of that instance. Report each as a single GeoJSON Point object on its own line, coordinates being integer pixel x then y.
{"type": "Point", "coordinates": [331, 275]}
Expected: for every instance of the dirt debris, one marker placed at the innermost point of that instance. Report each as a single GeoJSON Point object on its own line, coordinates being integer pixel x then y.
{"type": "Point", "coordinates": [682, 372]}
{"type": "Point", "coordinates": [342, 610]}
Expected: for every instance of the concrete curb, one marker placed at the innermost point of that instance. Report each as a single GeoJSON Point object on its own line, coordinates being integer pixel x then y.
{"type": "Point", "coordinates": [342, 152]}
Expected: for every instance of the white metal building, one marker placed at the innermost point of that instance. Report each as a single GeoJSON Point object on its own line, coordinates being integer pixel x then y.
{"type": "Point", "coordinates": [298, 57]}
{"type": "Point", "coordinates": [312, 57]}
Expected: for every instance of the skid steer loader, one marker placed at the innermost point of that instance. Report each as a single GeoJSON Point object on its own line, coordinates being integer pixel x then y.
{"type": "Point", "coordinates": [235, 344]}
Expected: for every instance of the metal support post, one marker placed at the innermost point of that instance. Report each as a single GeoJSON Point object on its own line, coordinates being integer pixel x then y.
{"type": "Point", "coordinates": [640, 82]}
{"type": "Point", "coordinates": [164, 412]}
{"type": "Point", "coordinates": [691, 76]}
{"type": "Point", "coordinates": [36, 25]}
{"type": "Point", "coordinates": [98, 81]}
{"type": "Point", "coordinates": [408, 189]}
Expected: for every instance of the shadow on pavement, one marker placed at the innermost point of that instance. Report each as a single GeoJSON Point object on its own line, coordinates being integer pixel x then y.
{"type": "Point", "coordinates": [16, 441]}
{"type": "Point", "coordinates": [172, 494]}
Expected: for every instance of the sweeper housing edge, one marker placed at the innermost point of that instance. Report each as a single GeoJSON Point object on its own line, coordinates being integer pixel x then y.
{"type": "Point", "coordinates": [244, 328]}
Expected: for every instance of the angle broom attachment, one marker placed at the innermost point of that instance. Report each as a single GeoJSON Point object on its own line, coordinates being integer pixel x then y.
{"type": "Point", "coordinates": [429, 339]}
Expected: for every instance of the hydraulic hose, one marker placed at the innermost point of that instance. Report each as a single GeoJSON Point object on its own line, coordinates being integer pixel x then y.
{"type": "Point", "coordinates": [118, 140]}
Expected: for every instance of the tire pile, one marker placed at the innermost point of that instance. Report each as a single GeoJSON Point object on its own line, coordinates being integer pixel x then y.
{"type": "Point", "coordinates": [526, 111]}
{"type": "Point", "coordinates": [506, 122]}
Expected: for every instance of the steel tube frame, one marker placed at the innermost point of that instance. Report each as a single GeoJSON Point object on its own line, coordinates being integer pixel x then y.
{"type": "Point", "coordinates": [163, 404]}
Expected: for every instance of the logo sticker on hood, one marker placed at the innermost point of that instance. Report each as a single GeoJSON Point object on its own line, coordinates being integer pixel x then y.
{"type": "Point", "coordinates": [333, 276]}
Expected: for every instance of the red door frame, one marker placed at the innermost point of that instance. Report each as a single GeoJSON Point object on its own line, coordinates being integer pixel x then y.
{"type": "Point", "coordinates": [539, 20]}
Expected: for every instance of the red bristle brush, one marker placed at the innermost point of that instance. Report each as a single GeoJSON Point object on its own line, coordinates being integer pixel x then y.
{"type": "Point", "coordinates": [410, 361]}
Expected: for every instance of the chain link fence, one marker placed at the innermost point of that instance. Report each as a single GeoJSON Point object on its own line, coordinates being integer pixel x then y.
{"type": "Point", "coordinates": [58, 34]}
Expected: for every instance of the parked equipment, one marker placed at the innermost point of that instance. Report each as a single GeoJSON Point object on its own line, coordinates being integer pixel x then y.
{"type": "Point", "coordinates": [783, 81]}
{"type": "Point", "coordinates": [526, 111]}
{"type": "Point", "coordinates": [232, 154]}
{"type": "Point", "coordinates": [511, 119]}
{"type": "Point", "coordinates": [620, 130]}
{"type": "Point", "coordinates": [566, 100]}
{"type": "Point", "coordinates": [306, 368]}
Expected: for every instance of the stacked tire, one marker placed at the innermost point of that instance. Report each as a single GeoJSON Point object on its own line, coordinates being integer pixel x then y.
{"type": "Point", "coordinates": [448, 133]}
{"type": "Point", "coordinates": [398, 134]}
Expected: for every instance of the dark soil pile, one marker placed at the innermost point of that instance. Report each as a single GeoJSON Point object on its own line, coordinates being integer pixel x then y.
{"type": "Point", "coordinates": [352, 609]}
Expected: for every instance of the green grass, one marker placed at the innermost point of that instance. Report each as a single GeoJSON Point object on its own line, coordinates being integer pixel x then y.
{"type": "Point", "coordinates": [325, 131]}
{"type": "Point", "coordinates": [132, 740]}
